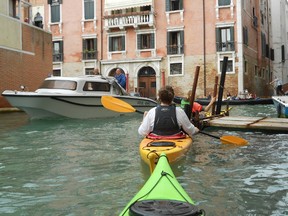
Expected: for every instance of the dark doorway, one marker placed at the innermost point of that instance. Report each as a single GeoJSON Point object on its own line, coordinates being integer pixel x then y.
{"type": "Point", "coordinates": [147, 82]}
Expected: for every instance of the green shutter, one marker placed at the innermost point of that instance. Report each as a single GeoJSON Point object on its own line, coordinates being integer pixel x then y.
{"type": "Point", "coordinates": [218, 39]}
{"type": "Point", "coordinates": [123, 43]}
{"type": "Point", "coordinates": [152, 41]}
{"type": "Point", "coordinates": [181, 4]}
{"type": "Point", "coordinates": [182, 41]}
{"type": "Point", "coordinates": [138, 41]}
{"type": "Point", "coordinates": [110, 44]}
{"type": "Point", "coordinates": [167, 5]}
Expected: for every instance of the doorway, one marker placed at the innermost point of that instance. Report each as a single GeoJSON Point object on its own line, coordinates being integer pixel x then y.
{"type": "Point", "coordinates": [147, 82]}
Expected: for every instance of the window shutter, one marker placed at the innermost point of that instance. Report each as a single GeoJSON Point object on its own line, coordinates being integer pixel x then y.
{"type": "Point", "coordinates": [182, 42]}
{"type": "Point", "coordinates": [272, 54]}
{"type": "Point", "coordinates": [123, 43]}
{"type": "Point", "coordinates": [167, 5]}
{"type": "Point", "coordinates": [61, 46]}
{"type": "Point", "coordinates": [49, 1]}
{"type": "Point", "coordinates": [232, 38]}
{"type": "Point", "coordinates": [138, 41]}
{"type": "Point", "coordinates": [83, 45]}
{"type": "Point", "coordinates": [95, 44]}
{"type": "Point", "coordinates": [181, 4]}
{"type": "Point", "coordinates": [152, 41]}
{"type": "Point", "coordinates": [110, 44]}
{"type": "Point", "coordinates": [218, 38]}
{"type": "Point", "coordinates": [168, 42]}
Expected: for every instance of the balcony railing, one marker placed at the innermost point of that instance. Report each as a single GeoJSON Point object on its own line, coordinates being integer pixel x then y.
{"type": "Point", "coordinates": [128, 20]}
{"type": "Point", "coordinates": [225, 46]}
{"type": "Point", "coordinates": [58, 57]}
{"type": "Point", "coordinates": [88, 55]}
{"type": "Point", "coordinates": [175, 49]}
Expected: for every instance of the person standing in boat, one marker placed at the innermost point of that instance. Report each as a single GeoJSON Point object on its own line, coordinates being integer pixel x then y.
{"type": "Point", "coordinates": [278, 85]}
{"type": "Point", "coordinates": [121, 78]}
{"type": "Point", "coordinates": [166, 119]}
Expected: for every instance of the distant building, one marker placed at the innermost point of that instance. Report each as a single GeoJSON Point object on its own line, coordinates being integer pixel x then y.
{"type": "Point", "coordinates": [161, 42]}
{"type": "Point", "coordinates": [279, 35]}
{"type": "Point", "coordinates": [25, 50]}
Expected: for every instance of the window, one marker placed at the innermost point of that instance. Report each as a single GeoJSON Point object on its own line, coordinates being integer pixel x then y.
{"type": "Point", "coordinates": [12, 8]}
{"type": "Point", "coordinates": [224, 2]}
{"type": "Point", "coordinates": [175, 42]}
{"type": "Point", "coordinates": [96, 86]}
{"type": "Point", "coordinates": [55, 10]}
{"type": "Point", "coordinates": [225, 39]}
{"type": "Point", "coordinates": [263, 44]}
{"type": "Point", "coordinates": [245, 35]}
{"type": "Point", "coordinates": [89, 71]}
{"type": "Point", "coordinates": [57, 51]}
{"type": "Point", "coordinates": [229, 68]}
{"type": "Point", "coordinates": [89, 9]}
{"type": "Point", "coordinates": [283, 53]}
{"type": "Point", "coordinates": [89, 48]}
{"type": "Point", "coordinates": [116, 43]}
{"type": "Point", "coordinates": [145, 41]}
{"type": "Point", "coordinates": [56, 72]}
{"type": "Point", "coordinates": [174, 5]}
{"type": "Point", "coordinates": [176, 69]}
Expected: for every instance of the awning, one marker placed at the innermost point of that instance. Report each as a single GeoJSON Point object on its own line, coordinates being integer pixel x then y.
{"type": "Point", "coordinates": [122, 4]}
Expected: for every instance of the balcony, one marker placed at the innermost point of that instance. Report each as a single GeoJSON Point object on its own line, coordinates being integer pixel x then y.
{"type": "Point", "coordinates": [134, 19]}
{"type": "Point", "coordinates": [89, 55]}
{"type": "Point", "coordinates": [175, 49]}
{"type": "Point", "coordinates": [225, 46]}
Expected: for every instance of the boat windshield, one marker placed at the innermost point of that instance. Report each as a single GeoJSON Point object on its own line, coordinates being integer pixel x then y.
{"type": "Point", "coordinates": [58, 84]}
{"type": "Point", "coordinates": [96, 86]}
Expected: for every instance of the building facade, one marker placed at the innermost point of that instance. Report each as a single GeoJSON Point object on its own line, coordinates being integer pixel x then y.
{"type": "Point", "coordinates": [279, 35]}
{"type": "Point", "coordinates": [161, 42]}
{"type": "Point", "coordinates": [25, 50]}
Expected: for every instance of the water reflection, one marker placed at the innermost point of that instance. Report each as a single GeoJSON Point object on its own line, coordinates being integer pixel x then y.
{"type": "Point", "coordinates": [92, 167]}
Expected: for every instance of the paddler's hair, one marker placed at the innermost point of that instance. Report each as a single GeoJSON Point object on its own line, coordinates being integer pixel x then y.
{"type": "Point", "coordinates": [166, 94]}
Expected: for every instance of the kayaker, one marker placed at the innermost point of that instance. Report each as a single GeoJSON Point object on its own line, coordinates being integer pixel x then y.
{"type": "Point", "coordinates": [196, 106]}
{"type": "Point", "coordinates": [166, 119]}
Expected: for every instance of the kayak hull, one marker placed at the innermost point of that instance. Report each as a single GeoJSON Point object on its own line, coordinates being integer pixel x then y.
{"type": "Point", "coordinates": [175, 149]}
{"type": "Point", "coordinates": [161, 186]}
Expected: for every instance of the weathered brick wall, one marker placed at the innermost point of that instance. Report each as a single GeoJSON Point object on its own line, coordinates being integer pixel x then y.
{"type": "Point", "coordinates": [29, 66]}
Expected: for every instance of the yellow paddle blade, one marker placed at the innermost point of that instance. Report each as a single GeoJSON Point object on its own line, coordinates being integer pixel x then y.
{"type": "Point", "coordinates": [233, 140]}
{"type": "Point", "coordinates": [117, 105]}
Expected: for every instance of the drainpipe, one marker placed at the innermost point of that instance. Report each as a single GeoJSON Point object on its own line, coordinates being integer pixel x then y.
{"type": "Point", "coordinates": [240, 48]}
{"type": "Point", "coordinates": [163, 77]}
{"type": "Point", "coordinates": [204, 46]}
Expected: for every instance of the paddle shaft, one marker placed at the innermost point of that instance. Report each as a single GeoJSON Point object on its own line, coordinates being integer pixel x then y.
{"type": "Point", "coordinates": [202, 132]}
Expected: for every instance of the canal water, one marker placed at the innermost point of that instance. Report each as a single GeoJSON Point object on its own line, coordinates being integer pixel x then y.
{"type": "Point", "coordinates": [92, 167]}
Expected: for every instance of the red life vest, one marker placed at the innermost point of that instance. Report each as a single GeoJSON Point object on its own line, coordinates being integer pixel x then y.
{"type": "Point", "coordinates": [197, 107]}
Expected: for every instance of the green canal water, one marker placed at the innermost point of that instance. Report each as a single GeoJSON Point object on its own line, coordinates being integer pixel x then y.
{"type": "Point", "coordinates": [92, 167]}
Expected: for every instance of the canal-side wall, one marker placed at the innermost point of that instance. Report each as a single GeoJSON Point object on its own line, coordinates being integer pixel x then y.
{"type": "Point", "coordinates": [25, 56]}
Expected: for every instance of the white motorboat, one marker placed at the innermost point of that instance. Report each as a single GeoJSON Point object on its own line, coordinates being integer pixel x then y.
{"type": "Point", "coordinates": [74, 97]}
{"type": "Point", "coordinates": [281, 104]}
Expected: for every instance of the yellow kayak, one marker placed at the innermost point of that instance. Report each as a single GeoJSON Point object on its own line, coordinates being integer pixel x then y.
{"type": "Point", "coordinates": [175, 148]}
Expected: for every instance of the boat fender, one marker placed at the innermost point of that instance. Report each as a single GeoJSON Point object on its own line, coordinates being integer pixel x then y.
{"type": "Point", "coordinates": [162, 144]}
{"type": "Point", "coordinates": [163, 207]}
{"type": "Point", "coordinates": [278, 110]}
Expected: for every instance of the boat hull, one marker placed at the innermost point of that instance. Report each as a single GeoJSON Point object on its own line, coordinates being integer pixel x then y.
{"type": "Point", "coordinates": [161, 186]}
{"type": "Point", "coordinates": [70, 106]}
{"type": "Point", "coordinates": [281, 105]}
{"type": "Point", "coordinates": [175, 149]}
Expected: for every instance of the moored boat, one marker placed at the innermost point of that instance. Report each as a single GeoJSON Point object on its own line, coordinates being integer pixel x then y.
{"type": "Point", "coordinates": [174, 147]}
{"type": "Point", "coordinates": [74, 97]}
{"type": "Point", "coordinates": [281, 105]}
{"type": "Point", "coordinates": [252, 101]}
{"type": "Point", "coordinates": [161, 195]}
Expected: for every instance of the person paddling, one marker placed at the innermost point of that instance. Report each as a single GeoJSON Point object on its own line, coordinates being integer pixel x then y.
{"type": "Point", "coordinates": [166, 119]}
